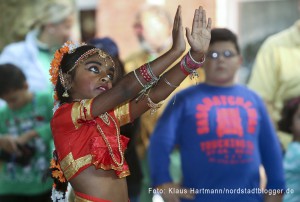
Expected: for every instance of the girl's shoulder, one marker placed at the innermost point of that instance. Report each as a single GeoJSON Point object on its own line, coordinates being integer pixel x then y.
{"type": "Point", "coordinates": [65, 108]}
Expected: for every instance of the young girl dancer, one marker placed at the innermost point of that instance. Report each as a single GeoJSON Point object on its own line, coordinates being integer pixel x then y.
{"type": "Point", "coordinates": [86, 126]}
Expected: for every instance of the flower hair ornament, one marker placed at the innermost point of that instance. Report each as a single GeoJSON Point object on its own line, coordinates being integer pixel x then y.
{"type": "Point", "coordinates": [55, 70]}
{"type": "Point", "coordinates": [60, 184]}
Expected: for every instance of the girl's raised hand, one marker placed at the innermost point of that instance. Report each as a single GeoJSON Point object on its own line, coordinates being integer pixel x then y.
{"type": "Point", "coordinates": [199, 38]}
{"type": "Point", "coordinates": [177, 32]}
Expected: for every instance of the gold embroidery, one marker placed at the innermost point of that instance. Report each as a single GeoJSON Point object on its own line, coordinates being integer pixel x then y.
{"type": "Point", "coordinates": [81, 110]}
{"type": "Point", "coordinates": [124, 173]}
{"type": "Point", "coordinates": [88, 106]}
{"type": "Point", "coordinates": [75, 114]}
{"type": "Point", "coordinates": [123, 114]}
{"type": "Point", "coordinates": [71, 166]}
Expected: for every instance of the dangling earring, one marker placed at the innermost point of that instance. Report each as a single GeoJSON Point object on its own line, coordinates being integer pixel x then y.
{"type": "Point", "coordinates": [65, 94]}
{"type": "Point", "coordinates": [63, 82]}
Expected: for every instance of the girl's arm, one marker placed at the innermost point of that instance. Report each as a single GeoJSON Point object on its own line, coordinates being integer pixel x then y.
{"type": "Point", "coordinates": [199, 40]}
{"type": "Point", "coordinates": [129, 87]}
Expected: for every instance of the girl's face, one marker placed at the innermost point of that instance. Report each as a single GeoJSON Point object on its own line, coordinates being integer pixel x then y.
{"type": "Point", "coordinates": [93, 76]}
{"type": "Point", "coordinates": [296, 124]}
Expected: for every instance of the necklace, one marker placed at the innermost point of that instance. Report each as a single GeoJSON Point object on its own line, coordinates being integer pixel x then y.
{"type": "Point", "coordinates": [105, 117]}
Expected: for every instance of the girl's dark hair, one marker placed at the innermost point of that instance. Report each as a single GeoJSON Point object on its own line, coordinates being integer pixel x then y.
{"type": "Point", "coordinates": [289, 109]}
{"type": "Point", "coordinates": [223, 34]}
{"type": "Point", "coordinates": [67, 63]}
{"type": "Point", "coordinates": [11, 78]}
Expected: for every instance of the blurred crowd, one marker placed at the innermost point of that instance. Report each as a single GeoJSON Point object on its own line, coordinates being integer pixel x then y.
{"type": "Point", "coordinates": [266, 103]}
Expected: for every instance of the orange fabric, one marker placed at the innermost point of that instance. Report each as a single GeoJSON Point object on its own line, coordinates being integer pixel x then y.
{"type": "Point", "coordinates": [79, 144]}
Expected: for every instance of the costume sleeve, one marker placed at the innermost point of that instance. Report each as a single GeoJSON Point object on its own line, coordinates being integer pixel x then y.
{"type": "Point", "coordinates": [122, 113]}
{"type": "Point", "coordinates": [162, 142]}
{"type": "Point", "coordinates": [81, 111]}
{"type": "Point", "coordinates": [264, 75]}
{"type": "Point", "coordinates": [271, 153]}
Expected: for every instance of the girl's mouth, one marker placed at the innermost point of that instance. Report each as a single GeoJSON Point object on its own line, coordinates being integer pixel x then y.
{"type": "Point", "coordinates": [102, 88]}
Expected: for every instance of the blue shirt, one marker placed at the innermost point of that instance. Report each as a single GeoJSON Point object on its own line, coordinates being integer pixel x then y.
{"type": "Point", "coordinates": [224, 134]}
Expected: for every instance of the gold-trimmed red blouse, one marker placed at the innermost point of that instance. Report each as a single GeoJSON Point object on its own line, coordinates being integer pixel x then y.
{"type": "Point", "coordinates": [79, 143]}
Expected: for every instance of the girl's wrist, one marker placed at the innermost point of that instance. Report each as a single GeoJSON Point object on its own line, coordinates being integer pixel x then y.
{"type": "Point", "coordinates": [177, 51]}
{"type": "Point", "coordinates": [197, 55]}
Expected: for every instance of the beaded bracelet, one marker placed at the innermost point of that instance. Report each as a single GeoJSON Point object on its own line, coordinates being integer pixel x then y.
{"type": "Point", "coordinates": [149, 76]}
{"type": "Point", "coordinates": [153, 106]}
{"type": "Point", "coordinates": [188, 65]}
{"type": "Point", "coordinates": [144, 73]}
{"type": "Point", "coordinates": [186, 70]}
{"type": "Point", "coordinates": [153, 77]}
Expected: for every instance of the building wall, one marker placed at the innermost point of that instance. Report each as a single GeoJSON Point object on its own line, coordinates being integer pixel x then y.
{"type": "Point", "coordinates": [260, 19]}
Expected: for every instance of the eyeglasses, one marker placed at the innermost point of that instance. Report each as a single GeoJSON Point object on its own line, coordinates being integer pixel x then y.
{"type": "Point", "coordinates": [215, 54]}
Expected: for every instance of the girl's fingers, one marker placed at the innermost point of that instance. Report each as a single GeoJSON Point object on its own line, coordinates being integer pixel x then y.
{"type": "Point", "coordinates": [188, 35]}
{"type": "Point", "coordinates": [200, 16]}
{"type": "Point", "coordinates": [195, 20]}
{"type": "Point", "coordinates": [203, 19]}
{"type": "Point", "coordinates": [180, 18]}
{"type": "Point", "coordinates": [177, 17]}
{"type": "Point", "coordinates": [209, 24]}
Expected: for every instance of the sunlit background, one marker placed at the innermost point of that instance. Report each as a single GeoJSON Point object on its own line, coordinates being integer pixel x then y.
{"type": "Point", "coordinates": [252, 20]}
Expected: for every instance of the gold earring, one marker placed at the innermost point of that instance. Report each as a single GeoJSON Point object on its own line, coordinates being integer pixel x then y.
{"type": "Point", "coordinates": [63, 82]}
{"type": "Point", "coordinates": [65, 94]}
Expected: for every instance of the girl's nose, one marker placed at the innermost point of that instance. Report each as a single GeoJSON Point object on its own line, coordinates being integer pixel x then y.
{"type": "Point", "coordinates": [104, 79]}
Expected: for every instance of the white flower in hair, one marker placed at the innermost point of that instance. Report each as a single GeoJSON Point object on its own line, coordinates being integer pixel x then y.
{"type": "Point", "coordinates": [58, 196]}
{"type": "Point", "coordinates": [73, 45]}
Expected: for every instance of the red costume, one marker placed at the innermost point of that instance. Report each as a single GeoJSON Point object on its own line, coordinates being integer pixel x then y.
{"type": "Point", "coordinates": [82, 140]}
{"type": "Point", "coordinates": [80, 197]}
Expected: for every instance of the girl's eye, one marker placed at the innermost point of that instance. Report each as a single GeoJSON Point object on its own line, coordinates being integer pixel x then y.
{"type": "Point", "coordinates": [94, 69]}
{"type": "Point", "coordinates": [110, 76]}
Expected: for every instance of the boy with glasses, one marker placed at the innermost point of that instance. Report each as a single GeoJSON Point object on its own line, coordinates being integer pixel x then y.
{"type": "Point", "coordinates": [224, 134]}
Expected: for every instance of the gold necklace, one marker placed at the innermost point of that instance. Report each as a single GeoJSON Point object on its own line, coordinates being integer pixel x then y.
{"type": "Point", "coordinates": [105, 118]}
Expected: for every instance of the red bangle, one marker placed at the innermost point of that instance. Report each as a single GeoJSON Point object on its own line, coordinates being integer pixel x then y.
{"type": "Point", "coordinates": [144, 73]}
{"type": "Point", "coordinates": [182, 67]}
{"type": "Point", "coordinates": [191, 63]}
